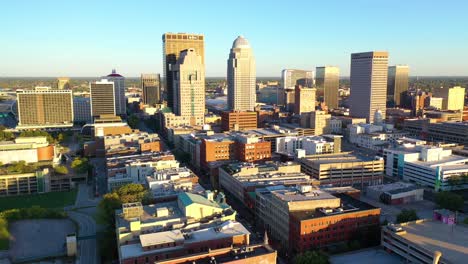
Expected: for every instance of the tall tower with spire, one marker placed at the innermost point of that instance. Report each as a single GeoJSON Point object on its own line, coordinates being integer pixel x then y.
{"type": "Point", "coordinates": [241, 76]}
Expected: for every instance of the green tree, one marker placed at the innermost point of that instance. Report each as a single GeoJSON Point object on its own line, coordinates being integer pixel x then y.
{"type": "Point", "coordinates": [133, 121]}
{"type": "Point", "coordinates": [132, 192]}
{"type": "Point", "coordinates": [311, 257]}
{"type": "Point", "coordinates": [406, 216]}
{"type": "Point", "coordinates": [80, 165]}
{"type": "Point", "coordinates": [449, 200]}
{"type": "Point", "coordinates": [60, 169]}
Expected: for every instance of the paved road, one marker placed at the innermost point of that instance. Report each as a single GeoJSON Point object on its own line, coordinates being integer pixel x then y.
{"type": "Point", "coordinates": [87, 250]}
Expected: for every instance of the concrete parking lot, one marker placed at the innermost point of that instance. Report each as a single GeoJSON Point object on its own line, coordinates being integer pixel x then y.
{"type": "Point", "coordinates": [39, 238]}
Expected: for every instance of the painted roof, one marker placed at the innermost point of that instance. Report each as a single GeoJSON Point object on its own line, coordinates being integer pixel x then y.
{"type": "Point", "coordinates": [190, 198]}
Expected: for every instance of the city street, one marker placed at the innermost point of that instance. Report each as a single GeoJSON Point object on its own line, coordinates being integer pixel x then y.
{"type": "Point", "coordinates": [87, 247]}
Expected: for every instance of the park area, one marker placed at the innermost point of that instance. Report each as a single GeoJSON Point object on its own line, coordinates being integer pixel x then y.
{"type": "Point", "coordinates": [46, 200]}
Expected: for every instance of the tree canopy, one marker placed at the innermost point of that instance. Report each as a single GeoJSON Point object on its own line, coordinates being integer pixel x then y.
{"type": "Point", "coordinates": [449, 200]}
{"type": "Point", "coordinates": [60, 169]}
{"type": "Point", "coordinates": [407, 216]}
{"type": "Point", "coordinates": [80, 165]}
{"type": "Point", "coordinates": [311, 257]}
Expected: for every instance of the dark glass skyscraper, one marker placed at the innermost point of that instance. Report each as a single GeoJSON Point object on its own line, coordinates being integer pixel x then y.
{"type": "Point", "coordinates": [151, 88]}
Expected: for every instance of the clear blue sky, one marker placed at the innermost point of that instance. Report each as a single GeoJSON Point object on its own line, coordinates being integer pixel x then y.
{"type": "Point", "coordinates": [89, 38]}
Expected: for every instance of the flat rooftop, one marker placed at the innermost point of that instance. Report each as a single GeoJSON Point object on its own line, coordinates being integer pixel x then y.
{"type": "Point", "coordinates": [349, 205]}
{"type": "Point", "coordinates": [452, 241]}
{"type": "Point", "coordinates": [149, 214]}
{"type": "Point", "coordinates": [336, 158]}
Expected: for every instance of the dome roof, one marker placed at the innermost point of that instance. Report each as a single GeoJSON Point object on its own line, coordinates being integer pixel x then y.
{"type": "Point", "coordinates": [240, 42]}
{"type": "Point", "coordinates": [114, 74]}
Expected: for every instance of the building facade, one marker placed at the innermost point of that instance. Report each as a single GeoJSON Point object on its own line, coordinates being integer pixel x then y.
{"type": "Point", "coordinates": [45, 108]}
{"type": "Point", "coordinates": [63, 83]}
{"type": "Point", "coordinates": [327, 80]}
{"type": "Point", "coordinates": [173, 45]}
{"type": "Point", "coordinates": [369, 72]}
{"type": "Point", "coordinates": [151, 88]}
{"type": "Point", "coordinates": [397, 83]}
{"type": "Point", "coordinates": [305, 99]}
{"type": "Point", "coordinates": [119, 92]}
{"type": "Point", "coordinates": [102, 98]}
{"type": "Point", "coordinates": [82, 109]}
{"type": "Point", "coordinates": [453, 98]}
{"type": "Point", "coordinates": [238, 120]}
{"type": "Point", "coordinates": [241, 76]}
{"type": "Point", "coordinates": [189, 87]}
{"type": "Point", "coordinates": [292, 77]}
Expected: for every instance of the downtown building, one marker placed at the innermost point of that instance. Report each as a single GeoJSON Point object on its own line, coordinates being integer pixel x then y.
{"type": "Point", "coordinates": [305, 99]}
{"type": "Point", "coordinates": [342, 169]}
{"type": "Point", "coordinates": [312, 145]}
{"type": "Point", "coordinates": [241, 76]}
{"type": "Point", "coordinates": [63, 83]}
{"type": "Point", "coordinates": [82, 109]}
{"type": "Point", "coordinates": [452, 98]}
{"type": "Point", "coordinates": [119, 92]}
{"type": "Point", "coordinates": [173, 45]}
{"type": "Point", "coordinates": [369, 72]}
{"type": "Point", "coordinates": [43, 108]}
{"type": "Point", "coordinates": [103, 100]}
{"type": "Point", "coordinates": [397, 84]}
{"type": "Point", "coordinates": [327, 81]}
{"type": "Point", "coordinates": [289, 79]}
{"type": "Point", "coordinates": [302, 218]}
{"type": "Point", "coordinates": [151, 88]}
{"type": "Point", "coordinates": [192, 229]}
{"type": "Point", "coordinates": [242, 179]}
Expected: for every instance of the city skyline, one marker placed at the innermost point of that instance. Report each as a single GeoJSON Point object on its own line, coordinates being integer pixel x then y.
{"type": "Point", "coordinates": [98, 41]}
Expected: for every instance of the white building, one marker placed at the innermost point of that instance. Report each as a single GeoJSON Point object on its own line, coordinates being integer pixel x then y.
{"type": "Point", "coordinates": [311, 144]}
{"type": "Point", "coordinates": [372, 136]}
{"type": "Point", "coordinates": [241, 76]}
{"type": "Point", "coordinates": [428, 166]}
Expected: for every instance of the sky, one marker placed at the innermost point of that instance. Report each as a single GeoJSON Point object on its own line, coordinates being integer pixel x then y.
{"type": "Point", "coordinates": [89, 38]}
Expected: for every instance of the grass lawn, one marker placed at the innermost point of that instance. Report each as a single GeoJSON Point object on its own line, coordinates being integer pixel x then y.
{"type": "Point", "coordinates": [45, 200]}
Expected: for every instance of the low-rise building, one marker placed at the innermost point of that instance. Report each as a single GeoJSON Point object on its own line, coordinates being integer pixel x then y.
{"type": "Point", "coordinates": [303, 218]}
{"type": "Point", "coordinates": [40, 181]}
{"type": "Point", "coordinates": [238, 120]}
{"type": "Point", "coordinates": [395, 193]}
{"type": "Point", "coordinates": [131, 143]}
{"type": "Point", "coordinates": [428, 166]}
{"type": "Point", "coordinates": [372, 136]}
{"type": "Point", "coordinates": [311, 144]}
{"type": "Point", "coordinates": [343, 169]}
{"type": "Point", "coordinates": [168, 183]}
{"type": "Point", "coordinates": [28, 149]}
{"type": "Point", "coordinates": [242, 179]}
{"type": "Point", "coordinates": [421, 241]}
{"type": "Point", "coordinates": [194, 224]}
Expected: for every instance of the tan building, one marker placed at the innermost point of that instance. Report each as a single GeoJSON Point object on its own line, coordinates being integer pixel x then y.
{"type": "Point", "coordinates": [102, 98]}
{"type": "Point", "coordinates": [63, 83]}
{"type": "Point", "coordinates": [305, 99]}
{"type": "Point", "coordinates": [319, 121]}
{"type": "Point", "coordinates": [453, 98]}
{"type": "Point", "coordinates": [44, 107]}
{"type": "Point", "coordinates": [151, 88]}
{"type": "Point", "coordinates": [327, 81]}
{"type": "Point", "coordinates": [343, 169]}
{"type": "Point", "coordinates": [238, 120]}
{"type": "Point", "coordinates": [397, 83]}
{"type": "Point", "coordinates": [28, 149]}
{"type": "Point", "coordinates": [189, 87]}
{"type": "Point", "coordinates": [369, 72]}
{"type": "Point", "coordinates": [173, 45]}
{"type": "Point", "coordinates": [241, 76]}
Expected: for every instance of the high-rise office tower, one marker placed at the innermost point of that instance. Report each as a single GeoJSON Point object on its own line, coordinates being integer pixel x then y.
{"type": "Point", "coordinates": [291, 77]}
{"type": "Point", "coordinates": [305, 98]}
{"type": "Point", "coordinates": [173, 45]}
{"type": "Point", "coordinates": [151, 87]}
{"type": "Point", "coordinates": [241, 76]}
{"type": "Point", "coordinates": [44, 107]}
{"type": "Point", "coordinates": [453, 98]}
{"type": "Point", "coordinates": [397, 83]}
{"type": "Point", "coordinates": [327, 80]}
{"type": "Point", "coordinates": [368, 84]}
{"type": "Point", "coordinates": [119, 91]}
{"type": "Point", "coordinates": [63, 83]}
{"type": "Point", "coordinates": [189, 87]}
{"type": "Point", "coordinates": [102, 98]}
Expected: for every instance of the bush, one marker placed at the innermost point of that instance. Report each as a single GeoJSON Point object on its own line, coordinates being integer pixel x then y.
{"type": "Point", "coordinates": [60, 169]}
{"type": "Point", "coordinates": [407, 216]}
{"type": "Point", "coordinates": [311, 257]}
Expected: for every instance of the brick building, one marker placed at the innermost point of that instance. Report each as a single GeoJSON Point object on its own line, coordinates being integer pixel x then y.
{"type": "Point", "coordinates": [238, 120]}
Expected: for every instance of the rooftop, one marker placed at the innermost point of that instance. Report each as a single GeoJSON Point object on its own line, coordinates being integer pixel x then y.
{"type": "Point", "coordinates": [393, 188]}
{"type": "Point", "coordinates": [452, 241]}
